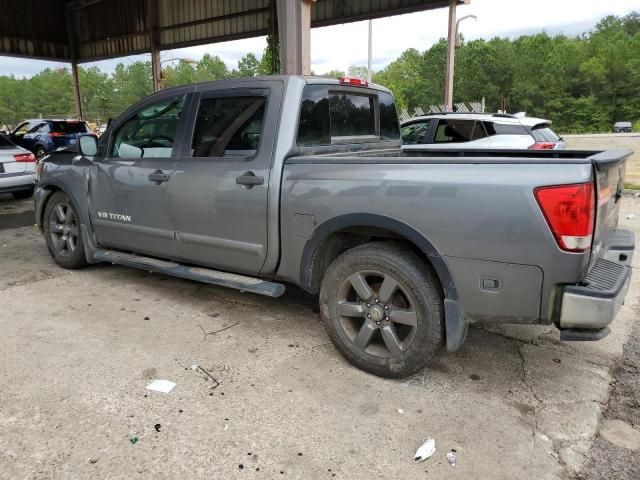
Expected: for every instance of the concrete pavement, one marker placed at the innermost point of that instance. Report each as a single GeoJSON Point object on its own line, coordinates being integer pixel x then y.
{"type": "Point", "coordinates": [79, 347]}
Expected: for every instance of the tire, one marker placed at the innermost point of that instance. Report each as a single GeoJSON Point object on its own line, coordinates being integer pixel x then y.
{"type": "Point", "coordinates": [40, 152]}
{"type": "Point", "coordinates": [22, 194]}
{"type": "Point", "coordinates": [62, 232]}
{"type": "Point", "coordinates": [400, 327]}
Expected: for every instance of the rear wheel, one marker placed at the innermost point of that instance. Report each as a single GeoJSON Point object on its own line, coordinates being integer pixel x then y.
{"type": "Point", "coordinates": [382, 309]}
{"type": "Point", "coordinates": [62, 232]}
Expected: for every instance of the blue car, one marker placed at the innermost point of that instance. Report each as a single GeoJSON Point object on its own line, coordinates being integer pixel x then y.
{"type": "Point", "coordinates": [42, 136]}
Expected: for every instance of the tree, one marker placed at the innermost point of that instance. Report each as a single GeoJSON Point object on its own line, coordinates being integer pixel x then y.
{"type": "Point", "coordinates": [248, 66]}
{"type": "Point", "coordinates": [358, 71]}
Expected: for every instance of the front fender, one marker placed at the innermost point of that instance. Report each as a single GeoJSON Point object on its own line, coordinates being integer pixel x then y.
{"type": "Point", "coordinates": [74, 181]}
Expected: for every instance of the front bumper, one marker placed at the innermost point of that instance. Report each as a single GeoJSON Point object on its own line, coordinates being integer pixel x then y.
{"type": "Point", "coordinates": [595, 302]}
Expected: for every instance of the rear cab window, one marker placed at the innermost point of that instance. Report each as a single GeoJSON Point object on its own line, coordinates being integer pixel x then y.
{"type": "Point", "coordinates": [336, 114]}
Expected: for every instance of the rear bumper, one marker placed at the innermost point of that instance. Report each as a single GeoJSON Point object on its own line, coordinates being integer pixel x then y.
{"type": "Point", "coordinates": [17, 182]}
{"type": "Point", "coordinates": [595, 302]}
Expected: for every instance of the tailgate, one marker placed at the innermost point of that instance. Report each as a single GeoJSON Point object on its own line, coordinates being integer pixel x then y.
{"type": "Point", "coordinates": [609, 169]}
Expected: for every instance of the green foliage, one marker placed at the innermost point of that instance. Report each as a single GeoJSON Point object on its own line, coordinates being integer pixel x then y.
{"type": "Point", "coordinates": [583, 84]}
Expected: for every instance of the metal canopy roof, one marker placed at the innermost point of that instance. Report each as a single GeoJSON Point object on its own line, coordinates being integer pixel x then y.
{"type": "Point", "coordinates": [90, 30]}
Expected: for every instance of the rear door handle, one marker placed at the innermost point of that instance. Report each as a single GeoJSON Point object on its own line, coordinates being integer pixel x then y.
{"type": "Point", "coordinates": [158, 177]}
{"type": "Point", "coordinates": [249, 180]}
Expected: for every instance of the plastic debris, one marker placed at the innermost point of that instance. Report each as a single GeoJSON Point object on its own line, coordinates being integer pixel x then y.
{"type": "Point", "coordinates": [400, 411]}
{"type": "Point", "coordinates": [630, 216]}
{"type": "Point", "coordinates": [427, 449]}
{"type": "Point", "coordinates": [452, 457]}
{"type": "Point", "coordinates": [133, 440]}
{"type": "Point", "coordinates": [163, 386]}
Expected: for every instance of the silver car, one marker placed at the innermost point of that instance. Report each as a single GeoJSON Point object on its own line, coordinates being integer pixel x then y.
{"type": "Point", "coordinates": [17, 169]}
{"type": "Point", "coordinates": [479, 130]}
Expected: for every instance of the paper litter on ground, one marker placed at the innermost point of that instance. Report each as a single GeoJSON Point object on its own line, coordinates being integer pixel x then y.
{"type": "Point", "coordinates": [164, 386]}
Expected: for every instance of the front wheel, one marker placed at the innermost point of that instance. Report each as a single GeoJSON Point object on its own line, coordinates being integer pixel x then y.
{"type": "Point", "coordinates": [382, 308]}
{"type": "Point", "coordinates": [62, 232]}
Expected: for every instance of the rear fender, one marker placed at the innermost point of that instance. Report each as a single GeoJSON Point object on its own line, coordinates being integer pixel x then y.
{"type": "Point", "coordinates": [455, 327]}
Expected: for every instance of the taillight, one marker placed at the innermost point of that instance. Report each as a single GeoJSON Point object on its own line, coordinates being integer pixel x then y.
{"type": "Point", "coordinates": [543, 146]}
{"type": "Point", "coordinates": [25, 157]}
{"type": "Point", "coordinates": [57, 134]}
{"type": "Point", "coordinates": [570, 211]}
{"type": "Point", "coordinates": [358, 82]}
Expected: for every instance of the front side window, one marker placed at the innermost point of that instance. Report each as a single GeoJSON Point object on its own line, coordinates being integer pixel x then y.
{"type": "Point", "coordinates": [414, 134]}
{"type": "Point", "coordinates": [228, 126]}
{"type": "Point", "coordinates": [22, 129]}
{"type": "Point", "coordinates": [151, 132]}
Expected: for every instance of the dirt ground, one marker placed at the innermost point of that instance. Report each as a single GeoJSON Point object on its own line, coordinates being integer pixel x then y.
{"type": "Point", "coordinates": [607, 141]}
{"type": "Point", "coordinates": [78, 349]}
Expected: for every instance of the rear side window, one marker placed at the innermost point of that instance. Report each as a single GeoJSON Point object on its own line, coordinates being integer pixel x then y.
{"type": "Point", "coordinates": [504, 129]}
{"type": "Point", "coordinates": [328, 117]}
{"type": "Point", "coordinates": [542, 133]}
{"type": "Point", "coordinates": [228, 126]}
{"type": "Point", "coordinates": [69, 127]}
{"type": "Point", "coordinates": [454, 131]}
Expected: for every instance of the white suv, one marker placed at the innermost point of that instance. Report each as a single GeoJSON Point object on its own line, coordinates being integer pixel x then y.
{"type": "Point", "coordinates": [479, 130]}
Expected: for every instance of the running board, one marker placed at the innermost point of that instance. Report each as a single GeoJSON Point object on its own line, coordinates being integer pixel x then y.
{"type": "Point", "coordinates": [205, 275]}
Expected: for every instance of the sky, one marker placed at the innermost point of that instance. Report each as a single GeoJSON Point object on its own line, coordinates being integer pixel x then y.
{"type": "Point", "coordinates": [339, 46]}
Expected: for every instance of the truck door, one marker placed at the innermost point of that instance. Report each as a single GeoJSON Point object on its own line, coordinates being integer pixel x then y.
{"type": "Point", "coordinates": [220, 187]}
{"type": "Point", "coordinates": [130, 191]}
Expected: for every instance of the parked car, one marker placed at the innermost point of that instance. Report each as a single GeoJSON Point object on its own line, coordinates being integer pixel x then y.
{"type": "Point", "coordinates": [622, 127]}
{"type": "Point", "coordinates": [253, 183]}
{"type": "Point", "coordinates": [17, 169]}
{"type": "Point", "coordinates": [480, 130]}
{"type": "Point", "coordinates": [42, 136]}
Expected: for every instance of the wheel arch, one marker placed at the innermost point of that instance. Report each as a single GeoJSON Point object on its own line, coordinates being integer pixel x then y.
{"type": "Point", "coordinates": [341, 233]}
{"type": "Point", "coordinates": [45, 191]}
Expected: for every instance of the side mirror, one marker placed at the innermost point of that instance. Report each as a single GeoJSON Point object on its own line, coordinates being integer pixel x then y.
{"type": "Point", "coordinates": [88, 145]}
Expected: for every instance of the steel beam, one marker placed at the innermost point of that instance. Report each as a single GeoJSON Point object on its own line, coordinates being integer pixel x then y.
{"type": "Point", "coordinates": [451, 49]}
{"type": "Point", "coordinates": [73, 53]}
{"type": "Point", "coordinates": [152, 27]}
{"type": "Point", "coordinates": [294, 27]}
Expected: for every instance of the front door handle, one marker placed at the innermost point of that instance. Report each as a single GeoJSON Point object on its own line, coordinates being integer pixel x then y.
{"type": "Point", "coordinates": [249, 180]}
{"type": "Point", "coordinates": [158, 177]}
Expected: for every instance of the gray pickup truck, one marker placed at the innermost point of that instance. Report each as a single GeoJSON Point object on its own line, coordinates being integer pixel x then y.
{"type": "Point", "coordinates": [255, 183]}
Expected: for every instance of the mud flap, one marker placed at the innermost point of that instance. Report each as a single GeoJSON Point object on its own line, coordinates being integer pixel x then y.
{"type": "Point", "coordinates": [455, 326]}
